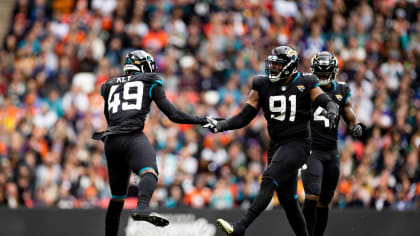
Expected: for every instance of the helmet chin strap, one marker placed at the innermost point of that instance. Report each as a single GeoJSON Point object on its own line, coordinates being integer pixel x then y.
{"type": "Point", "coordinates": [274, 78]}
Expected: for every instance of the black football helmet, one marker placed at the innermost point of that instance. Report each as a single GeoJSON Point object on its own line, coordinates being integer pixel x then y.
{"type": "Point", "coordinates": [281, 63]}
{"type": "Point", "coordinates": [139, 61]}
{"type": "Point", "coordinates": [325, 66]}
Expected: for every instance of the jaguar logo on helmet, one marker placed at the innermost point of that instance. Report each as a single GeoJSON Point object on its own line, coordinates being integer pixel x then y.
{"type": "Point", "coordinates": [281, 63]}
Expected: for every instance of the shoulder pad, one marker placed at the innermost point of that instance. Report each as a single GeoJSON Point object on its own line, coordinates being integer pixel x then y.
{"type": "Point", "coordinates": [258, 81]}
{"type": "Point", "coordinates": [147, 77]}
{"type": "Point", "coordinates": [344, 89]}
{"type": "Point", "coordinates": [309, 75]}
{"type": "Point", "coordinates": [343, 85]}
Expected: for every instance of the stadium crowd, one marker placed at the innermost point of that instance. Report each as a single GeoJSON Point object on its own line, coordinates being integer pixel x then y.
{"type": "Point", "coordinates": [57, 53]}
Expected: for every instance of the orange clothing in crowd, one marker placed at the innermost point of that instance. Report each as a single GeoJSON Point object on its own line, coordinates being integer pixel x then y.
{"type": "Point", "coordinates": [155, 39]}
{"type": "Point", "coordinates": [198, 197]}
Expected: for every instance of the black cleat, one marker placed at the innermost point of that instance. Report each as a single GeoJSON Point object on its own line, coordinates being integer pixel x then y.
{"type": "Point", "coordinates": [151, 217]}
{"type": "Point", "coordinates": [229, 229]}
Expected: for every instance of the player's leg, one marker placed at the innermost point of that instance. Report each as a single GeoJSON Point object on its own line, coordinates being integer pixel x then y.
{"type": "Point", "coordinates": [277, 173]}
{"type": "Point", "coordinates": [119, 175]}
{"type": "Point", "coordinates": [142, 161]}
{"type": "Point", "coordinates": [295, 155]}
{"type": "Point", "coordinates": [329, 183]}
{"type": "Point", "coordinates": [288, 199]}
{"type": "Point", "coordinates": [262, 200]}
{"type": "Point", "coordinates": [312, 178]}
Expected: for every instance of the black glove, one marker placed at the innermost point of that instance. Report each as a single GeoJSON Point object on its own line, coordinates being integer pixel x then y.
{"type": "Point", "coordinates": [332, 114]}
{"type": "Point", "coordinates": [213, 124]}
{"type": "Point", "coordinates": [357, 130]}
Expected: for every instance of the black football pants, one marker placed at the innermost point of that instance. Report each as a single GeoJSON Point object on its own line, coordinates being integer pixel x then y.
{"type": "Point", "coordinates": [126, 153]}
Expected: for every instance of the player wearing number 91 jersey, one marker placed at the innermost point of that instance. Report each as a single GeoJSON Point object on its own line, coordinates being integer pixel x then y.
{"type": "Point", "coordinates": [320, 178]}
{"type": "Point", "coordinates": [127, 102]}
{"type": "Point", "coordinates": [285, 95]}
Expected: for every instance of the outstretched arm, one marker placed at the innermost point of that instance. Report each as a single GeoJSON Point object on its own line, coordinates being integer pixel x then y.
{"type": "Point", "coordinates": [175, 115]}
{"type": "Point", "coordinates": [248, 112]}
{"type": "Point", "coordinates": [318, 96]}
{"type": "Point", "coordinates": [350, 117]}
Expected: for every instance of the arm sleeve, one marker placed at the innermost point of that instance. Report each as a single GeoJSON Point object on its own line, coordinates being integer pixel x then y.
{"type": "Point", "coordinates": [256, 83]}
{"type": "Point", "coordinates": [326, 102]}
{"type": "Point", "coordinates": [240, 120]}
{"type": "Point", "coordinates": [158, 95]}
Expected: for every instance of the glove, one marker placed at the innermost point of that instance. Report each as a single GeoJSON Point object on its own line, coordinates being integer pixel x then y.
{"type": "Point", "coordinates": [357, 130]}
{"type": "Point", "coordinates": [332, 117]}
{"type": "Point", "coordinates": [213, 124]}
{"type": "Point", "coordinates": [332, 114]}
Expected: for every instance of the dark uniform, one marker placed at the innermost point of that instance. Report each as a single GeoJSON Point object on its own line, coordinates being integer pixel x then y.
{"type": "Point", "coordinates": [323, 166]}
{"type": "Point", "coordinates": [287, 109]}
{"type": "Point", "coordinates": [127, 103]}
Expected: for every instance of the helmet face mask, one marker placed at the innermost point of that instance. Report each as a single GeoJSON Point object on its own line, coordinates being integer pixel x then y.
{"type": "Point", "coordinates": [325, 66]}
{"type": "Point", "coordinates": [282, 62]}
{"type": "Point", "coordinates": [139, 61]}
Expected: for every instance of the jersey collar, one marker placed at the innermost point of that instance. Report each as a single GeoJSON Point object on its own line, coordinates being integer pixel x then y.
{"type": "Point", "coordinates": [286, 86]}
{"type": "Point", "coordinates": [296, 77]}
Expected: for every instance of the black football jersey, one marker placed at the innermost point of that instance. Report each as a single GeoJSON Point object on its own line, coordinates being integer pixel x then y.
{"type": "Point", "coordinates": [287, 108]}
{"type": "Point", "coordinates": [323, 137]}
{"type": "Point", "coordinates": [127, 101]}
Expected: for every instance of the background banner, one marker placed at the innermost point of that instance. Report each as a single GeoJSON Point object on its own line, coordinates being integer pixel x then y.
{"type": "Point", "coordinates": [189, 222]}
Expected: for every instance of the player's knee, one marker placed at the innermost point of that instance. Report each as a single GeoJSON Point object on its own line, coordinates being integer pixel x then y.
{"type": "Point", "coordinates": [271, 173]}
{"type": "Point", "coordinates": [288, 201]}
{"type": "Point", "coordinates": [312, 189]}
{"type": "Point", "coordinates": [286, 198]}
{"type": "Point", "coordinates": [325, 199]}
{"type": "Point", "coordinates": [322, 204]}
{"type": "Point", "coordinates": [312, 197]}
{"type": "Point", "coordinates": [268, 180]}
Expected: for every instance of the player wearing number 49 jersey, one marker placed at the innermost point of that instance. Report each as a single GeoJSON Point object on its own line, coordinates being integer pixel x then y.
{"type": "Point", "coordinates": [127, 102]}
{"type": "Point", "coordinates": [321, 175]}
{"type": "Point", "coordinates": [285, 95]}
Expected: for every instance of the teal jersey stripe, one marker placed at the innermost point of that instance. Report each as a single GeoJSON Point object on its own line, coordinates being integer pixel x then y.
{"type": "Point", "coordinates": [297, 76]}
{"type": "Point", "coordinates": [347, 98]}
{"type": "Point", "coordinates": [157, 82]}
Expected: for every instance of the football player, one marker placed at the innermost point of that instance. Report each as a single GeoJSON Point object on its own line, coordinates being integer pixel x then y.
{"type": "Point", "coordinates": [285, 96]}
{"type": "Point", "coordinates": [127, 103]}
{"type": "Point", "coordinates": [323, 166]}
